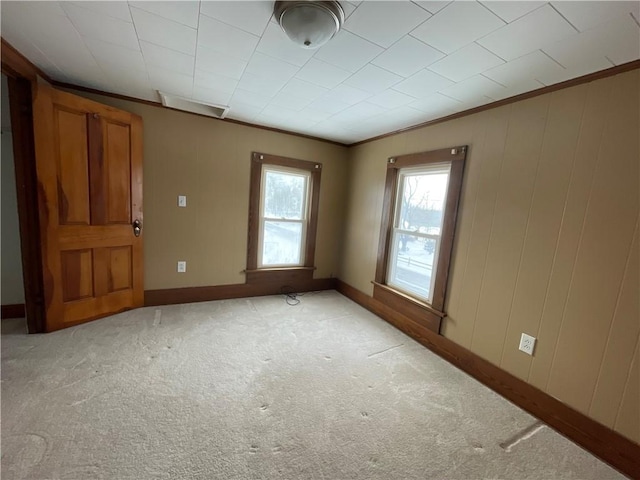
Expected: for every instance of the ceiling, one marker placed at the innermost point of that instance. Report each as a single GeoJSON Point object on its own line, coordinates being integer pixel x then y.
{"type": "Point", "coordinates": [394, 64]}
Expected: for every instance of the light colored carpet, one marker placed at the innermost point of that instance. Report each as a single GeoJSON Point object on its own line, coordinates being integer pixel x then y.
{"type": "Point", "coordinates": [256, 389]}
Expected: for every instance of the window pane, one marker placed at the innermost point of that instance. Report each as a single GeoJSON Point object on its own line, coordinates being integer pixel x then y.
{"type": "Point", "coordinates": [284, 195]}
{"type": "Point", "coordinates": [411, 264]}
{"type": "Point", "coordinates": [421, 203]}
{"type": "Point", "coordinates": [281, 243]}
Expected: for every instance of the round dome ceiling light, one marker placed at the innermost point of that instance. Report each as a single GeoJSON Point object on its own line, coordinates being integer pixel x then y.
{"type": "Point", "coordinates": [309, 24]}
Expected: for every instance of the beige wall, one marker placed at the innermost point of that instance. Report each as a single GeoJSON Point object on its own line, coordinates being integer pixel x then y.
{"type": "Point", "coordinates": [209, 161]}
{"type": "Point", "coordinates": [11, 284]}
{"type": "Point", "coordinates": [547, 240]}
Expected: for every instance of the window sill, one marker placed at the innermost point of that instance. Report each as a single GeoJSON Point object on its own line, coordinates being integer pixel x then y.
{"type": "Point", "coordinates": [285, 276]}
{"type": "Point", "coordinates": [416, 310]}
{"type": "Point", "coordinates": [279, 269]}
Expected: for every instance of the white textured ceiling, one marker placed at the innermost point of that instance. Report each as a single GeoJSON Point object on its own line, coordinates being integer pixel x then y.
{"type": "Point", "coordinates": [394, 64]}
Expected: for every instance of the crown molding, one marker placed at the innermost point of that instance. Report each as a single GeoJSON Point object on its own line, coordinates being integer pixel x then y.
{"type": "Point", "coordinates": [609, 72]}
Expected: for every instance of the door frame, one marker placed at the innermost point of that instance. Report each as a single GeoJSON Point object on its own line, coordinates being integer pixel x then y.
{"type": "Point", "coordinates": [22, 77]}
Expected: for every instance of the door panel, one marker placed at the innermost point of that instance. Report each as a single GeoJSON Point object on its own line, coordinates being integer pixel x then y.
{"type": "Point", "coordinates": [84, 310]}
{"type": "Point", "coordinates": [77, 274]}
{"type": "Point", "coordinates": [120, 268]}
{"type": "Point", "coordinates": [70, 134]}
{"type": "Point", "coordinates": [118, 161]}
{"type": "Point", "coordinates": [101, 276]}
{"type": "Point", "coordinates": [89, 167]}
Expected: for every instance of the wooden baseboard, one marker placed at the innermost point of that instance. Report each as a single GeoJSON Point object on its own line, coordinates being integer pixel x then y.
{"type": "Point", "coordinates": [12, 311]}
{"type": "Point", "coordinates": [172, 296]}
{"type": "Point", "coordinates": [616, 450]}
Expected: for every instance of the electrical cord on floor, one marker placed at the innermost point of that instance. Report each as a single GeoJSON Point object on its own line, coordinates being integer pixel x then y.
{"type": "Point", "coordinates": [290, 296]}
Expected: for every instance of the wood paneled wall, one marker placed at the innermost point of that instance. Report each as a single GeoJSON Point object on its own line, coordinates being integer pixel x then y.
{"type": "Point", "coordinates": [547, 240]}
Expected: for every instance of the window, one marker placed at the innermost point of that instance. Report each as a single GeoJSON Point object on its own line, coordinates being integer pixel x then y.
{"type": "Point", "coordinates": [416, 234]}
{"type": "Point", "coordinates": [283, 216]}
{"type": "Point", "coordinates": [284, 211]}
{"type": "Point", "coordinates": [416, 240]}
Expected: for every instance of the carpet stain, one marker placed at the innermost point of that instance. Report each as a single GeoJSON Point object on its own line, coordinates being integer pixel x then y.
{"type": "Point", "coordinates": [525, 434]}
{"type": "Point", "coordinates": [253, 449]}
{"type": "Point", "coordinates": [327, 357]}
{"type": "Point", "coordinates": [364, 414]}
{"type": "Point", "coordinates": [266, 360]}
{"type": "Point", "coordinates": [385, 350]}
{"type": "Point", "coordinates": [264, 407]}
{"type": "Point", "coordinates": [276, 450]}
{"type": "Point", "coordinates": [157, 318]}
{"type": "Point", "coordinates": [80, 402]}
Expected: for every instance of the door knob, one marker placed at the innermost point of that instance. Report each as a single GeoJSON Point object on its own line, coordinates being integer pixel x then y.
{"type": "Point", "coordinates": [137, 228]}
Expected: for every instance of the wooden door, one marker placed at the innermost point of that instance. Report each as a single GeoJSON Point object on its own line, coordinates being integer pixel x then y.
{"type": "Point", "coordinates": [89, 169]}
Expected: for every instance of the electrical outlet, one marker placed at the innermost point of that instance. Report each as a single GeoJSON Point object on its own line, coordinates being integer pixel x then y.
{"type": "Point", "coordinates": [527, 344]}
{"type": "Point", "coordinates": [182, 200]}
{"type": "Point", "coordinates": [182, 267]}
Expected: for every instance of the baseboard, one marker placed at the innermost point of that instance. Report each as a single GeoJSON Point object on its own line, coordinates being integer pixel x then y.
{"type": "Point", "coordinates": [172, 296]}
{"type": "Point", "coordinates": [12, 311]}
{"type": "Point", "coordinates": [616, 450]}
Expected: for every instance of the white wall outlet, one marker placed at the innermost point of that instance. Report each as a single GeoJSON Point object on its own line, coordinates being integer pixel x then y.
{"type": "Point", "coordinates": [527, 344]}
{"type": "Point", "coordinates": [182, 267]}
{"type": "Point", "coordinates": [182, 200]}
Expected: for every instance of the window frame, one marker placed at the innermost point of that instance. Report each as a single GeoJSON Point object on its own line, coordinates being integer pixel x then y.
{"type": "Point", "coordinates": [254, 272]}
{"type": "Point", "coordinates": [303, 221]}
{"type": "Point", "coordinates": [428, 314]}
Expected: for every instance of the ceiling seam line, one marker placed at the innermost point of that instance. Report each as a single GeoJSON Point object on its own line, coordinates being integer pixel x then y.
{"type": "Point", "coordinates": [195, 56]}
{"type": "Point", "coordinates": [552, 59]}
{"type": "Point", "coordinates": [156, 15]}
{"type": "Point", "coordinates": [494, 14]}
{"type": "Point", "coordinates": [84, 44]}
{"type": "Point", "coordinates": [564, 18]}
{"type": "Point", "coordinates": [234, 26]}
{"type": "Point", "coordinates": [146, 65]}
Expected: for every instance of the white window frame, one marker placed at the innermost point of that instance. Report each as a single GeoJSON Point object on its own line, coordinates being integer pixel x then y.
{"type": "Point", "coordinates": [304, 221]}
{"type": "Point", "coordinates": [396, 229]}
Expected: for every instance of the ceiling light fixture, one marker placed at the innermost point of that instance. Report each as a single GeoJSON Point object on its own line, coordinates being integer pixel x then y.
{"type": "Point", "coordinates": [309, 24]}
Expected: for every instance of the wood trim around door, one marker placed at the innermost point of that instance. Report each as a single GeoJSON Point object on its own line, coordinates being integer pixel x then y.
{"type": "Point", "coordinates": [20, 99]}
{"type": "Point", "coordinates": [603, 442]}
{"type": "Point", "coordinates": [16, 65]}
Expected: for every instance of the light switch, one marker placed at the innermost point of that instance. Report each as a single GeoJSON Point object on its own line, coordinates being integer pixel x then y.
{"type": "Point", "coordinates": [182, 200]}
{"type": "Point", "coordinates": [182, 267]}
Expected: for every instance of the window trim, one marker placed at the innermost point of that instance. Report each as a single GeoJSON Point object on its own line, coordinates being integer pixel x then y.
{"type": "Point", "coordinates": [255, 196]}
{"type": "Point", "coordinates": [456, 156]}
